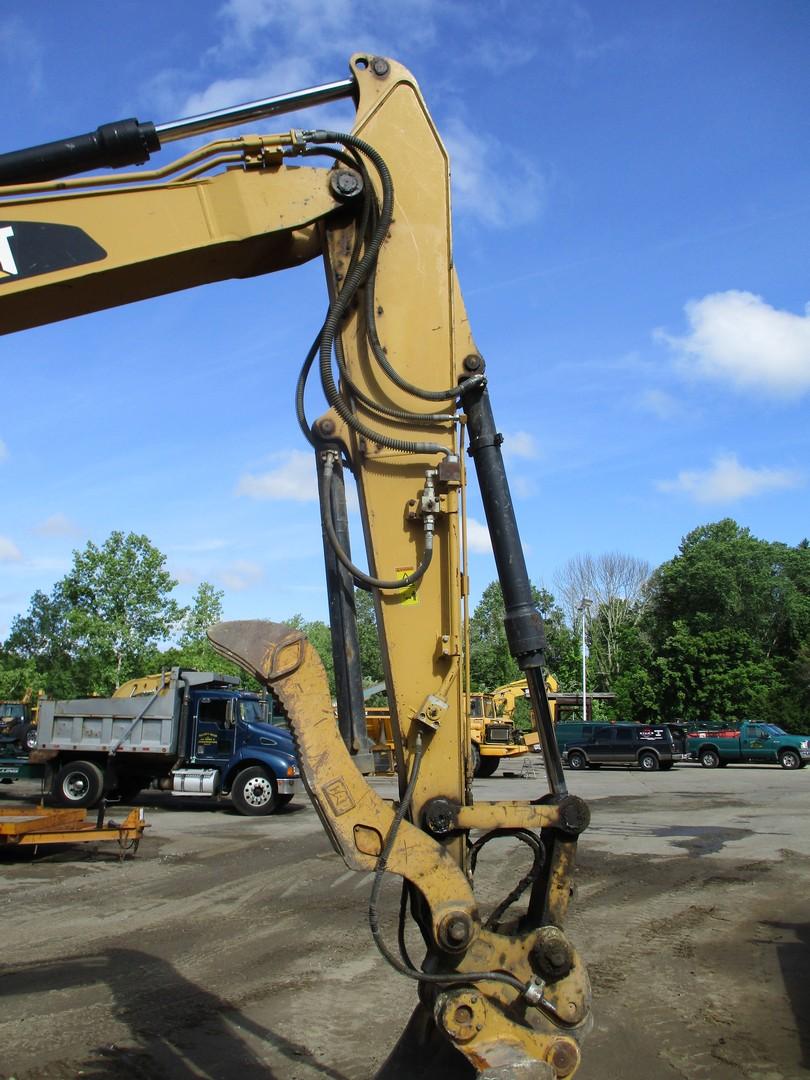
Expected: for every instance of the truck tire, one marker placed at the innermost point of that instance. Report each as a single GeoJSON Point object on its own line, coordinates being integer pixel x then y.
{"type": "Point", "coordinates": [577, 760]}
{"type": "Point", "coordinates": [648, 761]}
{"type": "Point", "coordinates": [709, 757]}
{"type": "Point", "coordinates": [487, 766]}
{"type": "Point", "coordinates": [255, 792]}
{"type": "Point", "coordinates": [79, 783]}
{"type": "Point", "coordinates": [790, 759]}
{"type": "Point", "coordinates": [475, 760]}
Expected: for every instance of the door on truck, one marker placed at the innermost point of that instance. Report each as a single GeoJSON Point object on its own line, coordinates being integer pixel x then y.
{"type": "Point", "coordinates": [755, 744]}
{"type": "Point", "coordinates": [214, 730]}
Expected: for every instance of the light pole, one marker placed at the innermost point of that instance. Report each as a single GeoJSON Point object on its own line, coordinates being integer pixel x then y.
{"type": "Point", "coordinates": [582, 610]}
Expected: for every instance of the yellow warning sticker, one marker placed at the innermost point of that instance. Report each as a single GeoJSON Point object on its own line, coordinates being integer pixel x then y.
{"type": "Point", "coordinates": [409, 595]}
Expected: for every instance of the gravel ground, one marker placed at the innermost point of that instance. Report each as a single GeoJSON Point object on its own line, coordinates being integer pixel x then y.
{"type": "Point", "coordinates": [233, 948]}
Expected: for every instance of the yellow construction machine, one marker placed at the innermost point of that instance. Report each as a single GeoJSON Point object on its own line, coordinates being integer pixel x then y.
{"type": "Point", "coordinates": [502, 993]}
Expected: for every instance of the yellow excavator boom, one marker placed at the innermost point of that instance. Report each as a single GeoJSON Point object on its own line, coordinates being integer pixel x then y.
{"type": "Point", "coordinates": [406, 394]}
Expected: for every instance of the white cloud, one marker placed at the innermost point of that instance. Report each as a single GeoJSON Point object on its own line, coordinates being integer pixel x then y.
{"type": "Point", "coordinates": [520, 444]}
{"type": "Point", "coordinates": [474, 160]}
{"type": "Point", "coordinates": [293, 479]}
{"type": "Point", "coordinates": [240, 575]}
{"type": "Point", "coordinates": [325, 27]}
{"type": "Point", "coordinates": [9, 552]}
{"type": "Point", "coordinates": [728, 481]}
{"type": "Point", "coordinates": [57, 525]}
{"type": "Point", "coordinates": [738, 338]}
{"type": "Point", "coordinates": [659, 403]}
{"type": "Point", "coordinates": [478, 539]}
{"type": "Point", "coordinates": [3, 451]}
{"type": "Point", "coordinates": [183, 575]}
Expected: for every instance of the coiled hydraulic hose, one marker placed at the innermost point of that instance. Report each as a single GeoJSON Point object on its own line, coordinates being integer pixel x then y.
{"type": "Point", "coordinates": [355, 277]}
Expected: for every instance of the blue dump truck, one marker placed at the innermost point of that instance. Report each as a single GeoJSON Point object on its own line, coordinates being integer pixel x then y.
{"type": "Point", "coordinates": [756, 743]}
{"type": "Point", "coordinates": [187, 732]}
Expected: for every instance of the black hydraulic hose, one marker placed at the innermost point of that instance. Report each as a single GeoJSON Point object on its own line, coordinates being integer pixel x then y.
{"type": "Point", "coordinates": [534, 842]}
{"type": "Point", "coordinates": [401, 416]}
{"type": "Point", "coordinates": [355, 277]}
{"type": "Point", "coordinates": [451, 393]}
{"type": "Point", "coordinates": [449, 979]}
{"type": "Point", "coordinates": [300, 387]}
{"type": "Point", "coordinates": [353, 160]}
{"type": "Point", "coordinates": [360, 575]}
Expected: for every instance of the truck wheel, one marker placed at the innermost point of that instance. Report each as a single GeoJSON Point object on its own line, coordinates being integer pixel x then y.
{"type": "Point", "coordinates": [487, 766]}
{"type": "Point", "coordinates": [79, 783]}
{"type": "Point", "coordinates": [475, 759]}
{"type": "Point", "coordinates": [648, 761]}
{"type": "Point", "coordinates": [709, 758]}
{"type": "Point", "coordinates": [789, 759]}
{"type": "Point", "coordinates": [577, 760]}
{"type": "Point", "coordinates": [254, 793]}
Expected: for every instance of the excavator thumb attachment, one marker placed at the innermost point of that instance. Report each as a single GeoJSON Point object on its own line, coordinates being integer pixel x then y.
{"type": "Point", "coordinates": [494, 1005]}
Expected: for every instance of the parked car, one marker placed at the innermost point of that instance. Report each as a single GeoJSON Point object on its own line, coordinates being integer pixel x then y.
{"type": "Point", "coordinates": [650, 746]}
{"type": "Point", "coordinates": [752, 742]}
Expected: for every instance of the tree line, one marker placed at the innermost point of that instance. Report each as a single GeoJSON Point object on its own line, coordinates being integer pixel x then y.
{"type": "Point", "coordinates": [718, 633]}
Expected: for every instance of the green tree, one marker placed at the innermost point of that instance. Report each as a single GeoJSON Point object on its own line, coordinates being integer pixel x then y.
{"type": "Point", "coordinates": [636, 685]}
{"type": "Point", "coordinates": [120, 606]}
{"type": "Point", "coordinates": [491, 663]}
{"type": "Point", "coordinates": [194, 650]}
{"type": "Point", "coordinates": [41, 649]}
{"type": "Point", "coordinates": [370, 656]}
{"type": "Point", "coordinates": [728, 621]}
{"type": "Point", "coordinates": [103, 622]}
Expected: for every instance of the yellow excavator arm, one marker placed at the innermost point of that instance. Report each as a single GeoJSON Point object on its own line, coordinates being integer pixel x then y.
{"type": "Point", "coordinates": [503, 994]}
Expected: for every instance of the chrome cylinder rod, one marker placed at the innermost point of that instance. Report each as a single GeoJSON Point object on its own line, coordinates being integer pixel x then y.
{"type": "Point", "coordinates": [254, 110]}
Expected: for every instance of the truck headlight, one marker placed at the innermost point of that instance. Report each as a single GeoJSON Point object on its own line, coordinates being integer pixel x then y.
{"type": "Point", "coordinates": [804, 744]}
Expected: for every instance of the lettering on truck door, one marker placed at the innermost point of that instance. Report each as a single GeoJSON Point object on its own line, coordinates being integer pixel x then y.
{"type": "Point", "coordinates": [214, 729]}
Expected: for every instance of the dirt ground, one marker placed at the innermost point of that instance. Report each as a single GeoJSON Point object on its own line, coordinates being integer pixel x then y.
{"type": "Point", "coordinates": [232, 948]}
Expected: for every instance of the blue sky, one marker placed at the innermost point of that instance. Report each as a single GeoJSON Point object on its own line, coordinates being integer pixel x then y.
{"type": "Point", "coordinates": [631, 188]}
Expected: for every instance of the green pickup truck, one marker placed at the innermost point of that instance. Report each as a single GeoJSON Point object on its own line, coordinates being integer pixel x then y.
{"type": "Point", "coordinates": [748, 742]}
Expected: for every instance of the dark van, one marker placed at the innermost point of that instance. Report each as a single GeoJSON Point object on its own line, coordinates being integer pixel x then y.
{"type": "Point", "coordinates": [650, 746]}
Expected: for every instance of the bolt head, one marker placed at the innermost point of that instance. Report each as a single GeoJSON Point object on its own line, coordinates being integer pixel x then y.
{"type": "Point", "coordinates": [345, 184]}
{"type": "Point", "coordinates": [563, 1056]}
{"type": "Point", "coordinates": [380, 66]}
{"type": "Point", "coordinates": [455, 931]}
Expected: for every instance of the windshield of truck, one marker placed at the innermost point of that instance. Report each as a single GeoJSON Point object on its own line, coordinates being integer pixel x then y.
{"type": "Point", "coordinates": [482, 706]}
{"type": "Point", "coordinates": [772, 729]}
{"type": "Point", "coordinates": [254, 712]}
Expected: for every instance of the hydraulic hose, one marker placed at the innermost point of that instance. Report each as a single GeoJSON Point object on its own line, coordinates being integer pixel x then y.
{"type": "Point", "coordinates": [451, 393]}
{"type": "Point", "coordinates": [355, 277]}
{"type": "Point", "coordinates": [450, 978]}
{"type": "Point", "coordinates": [359, 575]}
